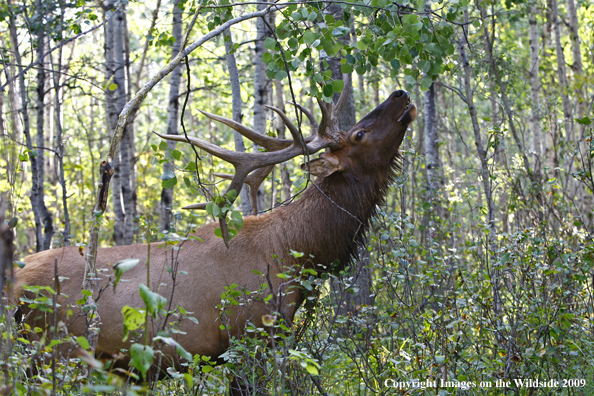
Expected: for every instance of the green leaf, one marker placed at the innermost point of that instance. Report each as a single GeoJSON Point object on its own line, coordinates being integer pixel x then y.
{"type": "Point", "coordinates": [584, 121]}
{"type": "Point", "coordinates": [337, 85]}
{"type": "Point", "coordinates": [313, 370]}
{"type": "Point", "coordinates": [163, 146]}
{"type": "Point", "coordinates": [142, 357]}
{"type": "Point", "coordinates": [307, 285]}
{"type": "Point", "coordinates": [395, 64]}
{"type": "Point", "coordinates": [83, 342]}
{"type": "Point", "coordinates": [267, 57]}
{"type": "Point", "coordinates": [153, 301]}
{"type": "Point", "coordinates": [280, 75]}
{"type": "Point", "coordinates": [133, 319]}
{"type": "Point", "coordinates": [426, 83]}
{"type": "Point", "coordinates": [270, 43]}
{"type": "Point", "coordinates": [168, 175]}
{"type": "Point", "coordinates": [231, 195]}
{"type": "Point", "coordinates": [191, 167]}
{"type": "Point", "coordinates": [113, 86]}
{"type": "Point", "coordinates": [19, 264]}
{"type": "Point", "coordinates": [361, 45]}
{"type": "Point", "coordinates": [176, 154]}
{"type": "Point", "coordinates": [340, 31]}
{"type": "Point", "coordinates": [309, 37]}
{"type": "Point", "coordinates": [207, 369]}
{"type": "Point", "coordinates": [346, 68]}
{"type": "Point", "coordinates": [13, 222]}
{"type": "Point", "coordinates": [328, 90]}
{"type": "Point", "coordinates": [170, 183]}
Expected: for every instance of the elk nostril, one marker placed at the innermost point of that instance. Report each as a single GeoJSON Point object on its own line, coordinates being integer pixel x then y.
{"type": "Point", "coordinates": [399, 93]}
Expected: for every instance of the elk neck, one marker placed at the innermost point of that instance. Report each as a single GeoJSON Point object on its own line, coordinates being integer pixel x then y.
{"type": "Point", "coordinates": [330, 219]}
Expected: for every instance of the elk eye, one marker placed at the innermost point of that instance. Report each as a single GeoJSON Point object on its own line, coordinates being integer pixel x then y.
{"type": "Point", "coordinates": [359, 135]}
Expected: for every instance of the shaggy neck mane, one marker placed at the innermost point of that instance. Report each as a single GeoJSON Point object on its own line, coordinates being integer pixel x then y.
{"type": "Point", "coordinates": [330, 219]}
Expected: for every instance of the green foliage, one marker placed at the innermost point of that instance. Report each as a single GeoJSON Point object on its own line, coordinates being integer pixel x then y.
{"type": "Point", "coordinates": [142, 357]}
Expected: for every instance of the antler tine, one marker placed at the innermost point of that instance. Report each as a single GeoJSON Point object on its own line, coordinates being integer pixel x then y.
{"type": "Point", "coordinates": [253, 180]}
{"type": "Point", "coordinates": [312, 120]}
{"type": "Point", "coordinates": [297, 137]}
{"type": "Point", "coordinates": [326, 121]}
{"type": "Point", "coordinates": [269, 143]}
{"type": "Point", "coordinates": [233, 157]}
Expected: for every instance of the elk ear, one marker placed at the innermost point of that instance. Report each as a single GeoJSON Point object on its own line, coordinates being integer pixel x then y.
{"type": "Point", "coordinates": [323, 166]}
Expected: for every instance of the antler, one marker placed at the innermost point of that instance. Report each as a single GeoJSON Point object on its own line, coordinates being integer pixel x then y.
{"type": "Point", "coordinates": [253, 168]}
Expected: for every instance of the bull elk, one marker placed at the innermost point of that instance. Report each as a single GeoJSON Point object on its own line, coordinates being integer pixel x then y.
{"type": "Point", "coordinates": [326, 224]}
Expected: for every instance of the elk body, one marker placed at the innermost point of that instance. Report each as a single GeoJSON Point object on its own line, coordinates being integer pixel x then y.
{"type": "Point", "coordinates": [326, 223]}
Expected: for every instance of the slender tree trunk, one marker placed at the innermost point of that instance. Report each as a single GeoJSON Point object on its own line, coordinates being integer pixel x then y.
{"type": "Point", "coordinates": [578, 66]}
{"type": "Point", "coordinates": [123, 186]}
{"type": "Point", "coordinates": [562, 73]}
{"type": "Point", "coordinates": [34, 197]}
{"type": "Point", "coordinates": [261, 86]}
{"type": "Point", "coordinates": [57, 69]}
{"type": "Point", "coordinates": [172, 117]}
{"type": "Point", "coordinates": [46, 216]}
{"type": "Point", "coordinates": [281, 131]}
{"type": "Point", "coordinates": [432, 160]}
{"type": "Point", "coordinates": [537, 146]}
{"type": "Point", "coordinates": [128, 149]}
{"type": "Point", "coordinates": [246, 206]}
{"type": "Point", "coordinates": [132, 198]}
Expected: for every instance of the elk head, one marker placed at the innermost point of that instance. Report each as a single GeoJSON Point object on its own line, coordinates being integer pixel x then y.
{"type": "Point", "coordinates": [372, 144]}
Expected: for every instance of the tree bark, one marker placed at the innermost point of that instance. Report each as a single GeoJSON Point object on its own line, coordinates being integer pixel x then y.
{"type": "Point", "coordinates": [261, 86]}
{"type": "Point", "coordinates": [578, 66]}
{"type": "Point", "coordinates": [123, 186]}
{"type": "Point", "coordinates": [562, 73]}
{"type": "Point", "coordinates": [246, 206]}
{"type": "Point", "coordinates": [46, 216]}
{"type": "Point", "coordinates": [34, 197]}
{"type": "Point", "coordinates": [536, 146]}
{"type": "Point", "coordinates": [432, 160]}
{"type": "Point", "coordinates": [172, 116]}
{"type": "Point", "coordinates": [57, 69]}
{"type": "Point", "coordinates": [281, 132]}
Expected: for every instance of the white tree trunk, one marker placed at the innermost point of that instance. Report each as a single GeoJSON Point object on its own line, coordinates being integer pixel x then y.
{"type": "Point", "coordinates": [432, 160]}
{"type": "Point", "coordinates": [261, 87]}
{"type": "Point", "coordinates": [24, 108]}
{"type": "Point", "coordinates": [578, 66]}
{"type": "Point", "coordinates": [123, 185]}
{"type": "Point", "coordinates": [45, 215]}
{"type": "Point", "coordinates": [536, 141]}
{"type": "Point", "coordinates": [172, 116]}
{"type": "Point", "coordinates": [562, 73]}
{"type": "Point", "coordinates": [246, 206]}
